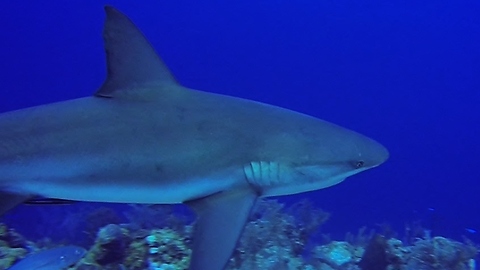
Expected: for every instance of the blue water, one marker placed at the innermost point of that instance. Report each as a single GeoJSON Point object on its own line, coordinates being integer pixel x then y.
{"type": "Point", "coordinates": [403, 72]}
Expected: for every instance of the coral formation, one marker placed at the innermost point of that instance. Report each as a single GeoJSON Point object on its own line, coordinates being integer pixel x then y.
{"type": "Point", "coordinates": [440, 253]}
{"type": "Point", "coordinates": [336, 255]}
{"type": "Point", "coordinates": [275, 237]}
{"type": "Point", "coordinates": [116, 246]}
{"type": "Point", "coordinates": [109, 249]}
{"type": "Point", "coordinates": [167, 250]}
{"type": "Point", "coordinates": [391, 254]}
{"type": "Point", "coordinates": [285, 233]}
{"type": "Point", "coordinates": [8, 256]}
{"type": "Point", "coordinates": [13, 246]}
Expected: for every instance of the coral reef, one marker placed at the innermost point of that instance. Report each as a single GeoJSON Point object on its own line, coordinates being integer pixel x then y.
{"type": "Point", "coordinates": [13, 246]}
{"type": "Point", "coordinates": [98, 218]}
{"type": "Point", "coordinates": [275, 237]}
{"type": "Point", "coordinates": [381, 253]}
{"type": "Point", "coordinates": [336, 255]}
{"type": "Point", "coordinates": [167, 250]}
{"type": "Point", "coordinates": [440, 253]}
{"type": "Point", "coordinates": [285, 233]}
{"type": "Point", "coordinates": [109, 249]}
{"type": "Point", "coordinates": [8, 256]}
{"type": "Point", "coordinates": [116, 246]}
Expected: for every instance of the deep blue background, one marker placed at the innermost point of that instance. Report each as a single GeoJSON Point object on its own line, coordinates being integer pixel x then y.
{"type": "Point", "coordinates": [403, 72]}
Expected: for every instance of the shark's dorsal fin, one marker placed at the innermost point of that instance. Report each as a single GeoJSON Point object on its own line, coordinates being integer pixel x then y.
{"type": "Point", "coordinates": [132, 63]}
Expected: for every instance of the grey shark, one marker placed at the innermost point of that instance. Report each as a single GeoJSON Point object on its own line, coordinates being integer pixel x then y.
{"type": "Point", "coordinates": [144, 138]}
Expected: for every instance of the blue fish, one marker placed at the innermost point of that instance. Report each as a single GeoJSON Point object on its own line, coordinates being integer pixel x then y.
{"type": "Point", "coordinates": [52, 259]}
{"type": "Point", "coordinates": [470, 230]}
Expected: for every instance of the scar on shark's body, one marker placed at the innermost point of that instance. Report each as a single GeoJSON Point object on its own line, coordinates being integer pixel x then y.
{"type": "Point", "coordinates": [131, 143]}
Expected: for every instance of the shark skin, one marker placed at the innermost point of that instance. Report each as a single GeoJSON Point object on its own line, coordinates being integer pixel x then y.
{"type": "Point", "coordinates": [144, 138]}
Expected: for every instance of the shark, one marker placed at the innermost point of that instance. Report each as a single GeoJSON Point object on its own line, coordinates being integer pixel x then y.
{"type": "Point", "coordinates": [142, 137]}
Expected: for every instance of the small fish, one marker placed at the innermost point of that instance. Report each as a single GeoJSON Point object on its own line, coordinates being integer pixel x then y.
{"type": "Point", "coordinates": [52, 259]}
{"type": "Point", "coordinates": [470, 230]}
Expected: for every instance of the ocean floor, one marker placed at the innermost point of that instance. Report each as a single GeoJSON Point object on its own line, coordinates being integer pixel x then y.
{"type": "Point", "coordinates": [276, 237]}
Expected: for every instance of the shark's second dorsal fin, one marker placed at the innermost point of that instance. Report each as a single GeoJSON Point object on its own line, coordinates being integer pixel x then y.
{"type": "Point", "coordinates": [132, 63]}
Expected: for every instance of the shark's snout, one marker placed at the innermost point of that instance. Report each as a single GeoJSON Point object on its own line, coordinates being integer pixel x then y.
{"type": "Point", "coordinates": [384, 154]}
{"type": "Point", "coordinates": [377, 153]}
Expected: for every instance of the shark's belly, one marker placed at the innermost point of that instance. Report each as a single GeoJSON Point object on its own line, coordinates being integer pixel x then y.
{"type": "Point", "coordinates": [115, 180]}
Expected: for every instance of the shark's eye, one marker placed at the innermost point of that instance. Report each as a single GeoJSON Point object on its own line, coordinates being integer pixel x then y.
{"type": "Point", "coordinates": [359, 164]}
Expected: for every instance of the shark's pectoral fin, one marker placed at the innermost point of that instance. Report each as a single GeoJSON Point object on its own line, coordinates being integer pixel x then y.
{"type": "Point", "coordinates": [9, 200]}
{"type": "Point", "coordinates": [221, 218]}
